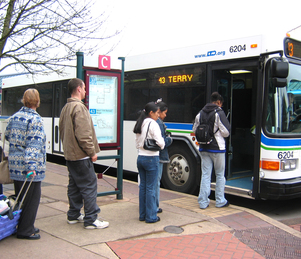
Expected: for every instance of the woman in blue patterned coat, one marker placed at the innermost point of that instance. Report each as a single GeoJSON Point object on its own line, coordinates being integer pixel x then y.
{"type": "Point", "coordinates": [27, 153]}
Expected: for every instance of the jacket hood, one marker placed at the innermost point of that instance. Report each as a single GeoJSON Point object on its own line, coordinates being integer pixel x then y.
{"type": "Point", "coordinates": [209, 107]}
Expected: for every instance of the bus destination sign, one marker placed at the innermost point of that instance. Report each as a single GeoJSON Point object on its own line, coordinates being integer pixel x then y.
{"type": "Point", "coordinates": [292, 48]}
{"type": "Point", "coordinates": [175, 79]}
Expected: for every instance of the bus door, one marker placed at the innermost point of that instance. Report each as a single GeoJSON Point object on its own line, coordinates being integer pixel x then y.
{"type": "Point", "coordinates": [222, 83]}
{"type": "Point", "coordinates": [60, 95]}
{"type": "Point", "coordinates": [237, 85]}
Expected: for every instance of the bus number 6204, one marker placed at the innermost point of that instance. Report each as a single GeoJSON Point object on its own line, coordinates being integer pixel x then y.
{"type": "Point", "coordinates": [286, 154]}
{"type": "Point", "coordinates": [237, 48]}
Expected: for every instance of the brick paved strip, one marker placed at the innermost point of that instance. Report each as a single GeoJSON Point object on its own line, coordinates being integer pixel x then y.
{"type": "Point", "coordinates": [243, 220]}
{"type": "Point", "coordinates": [210, 245]}
{"type": "Point", "coordinates": [271, 242]}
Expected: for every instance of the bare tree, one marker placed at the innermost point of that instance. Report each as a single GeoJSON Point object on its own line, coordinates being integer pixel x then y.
{"type": "Point", "coordinates": [40, 35]}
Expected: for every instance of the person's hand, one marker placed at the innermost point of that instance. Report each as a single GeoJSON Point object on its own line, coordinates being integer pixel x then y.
{"type": "Point", "coordinates": [94, 158]}
{"type": "Point", "coordinates": [34, 173]}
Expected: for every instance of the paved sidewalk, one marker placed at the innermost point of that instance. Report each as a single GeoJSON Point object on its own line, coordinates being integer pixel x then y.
{"type": "Point", "coordinates": [185, 231]}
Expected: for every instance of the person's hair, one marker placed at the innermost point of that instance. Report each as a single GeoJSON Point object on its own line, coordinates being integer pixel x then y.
{"type": "Point", "coordinates": [144, 114]}
{"type": "Point", "coordinates": [162, 105]}
{"type": "Point", "coordinates": [74, 83]}
{"type": "Point", "coordinates": [215, 96]}
{"type": "Point", "coordinates": [31, 98]}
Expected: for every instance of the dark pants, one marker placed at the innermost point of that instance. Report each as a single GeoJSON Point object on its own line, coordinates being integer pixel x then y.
{"type": "Point", "coordinates": [82, 190]}
{"type": "Point", "coordinates": [29, 208]}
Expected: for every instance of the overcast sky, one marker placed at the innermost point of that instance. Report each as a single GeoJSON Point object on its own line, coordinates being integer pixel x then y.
{"type": "Point", "coordinates": [149, 26]}
{"type": "Point", "coordinates": [167, 24]}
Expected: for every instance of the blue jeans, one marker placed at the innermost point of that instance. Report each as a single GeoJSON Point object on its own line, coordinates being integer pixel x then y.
{"type": "Point", "coordinates": [148, 172]}
{"type": "Point", "coordinates": [158, 187]}
{"type": "Point", "coordinates": [208, 161]}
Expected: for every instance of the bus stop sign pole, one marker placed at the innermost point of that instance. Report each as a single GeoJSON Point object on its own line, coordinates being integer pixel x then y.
{"type": "Point", "coordinates": [79, 65]}
{"type": "Point", "coordinates": [120, 151]}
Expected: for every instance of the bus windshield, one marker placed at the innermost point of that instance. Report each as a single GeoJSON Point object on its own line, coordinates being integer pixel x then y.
{"type": "Point", "coordinates": [284, 105]}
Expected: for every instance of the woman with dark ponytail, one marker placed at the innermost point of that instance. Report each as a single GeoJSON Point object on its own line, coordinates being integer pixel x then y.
{"type": "Point", "coordinates": [148, 162]}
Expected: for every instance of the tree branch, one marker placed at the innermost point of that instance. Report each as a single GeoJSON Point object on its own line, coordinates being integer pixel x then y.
{"type": "Point", "coordinates": [42, 34]}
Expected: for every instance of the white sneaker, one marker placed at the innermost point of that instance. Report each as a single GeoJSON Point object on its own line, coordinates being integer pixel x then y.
{"type": "Point", "coordinates": [80, 219]}
{"type": "Point", "coordinates": [98, 224]}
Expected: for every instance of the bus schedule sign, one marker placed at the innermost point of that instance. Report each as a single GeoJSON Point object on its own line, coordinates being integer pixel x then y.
{"type": "Point", "coordinates": [103, 101]}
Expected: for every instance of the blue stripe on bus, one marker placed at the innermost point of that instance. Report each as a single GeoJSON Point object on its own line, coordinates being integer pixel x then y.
{"type": "Point", "coordinates": [178, 126]}
{"type": "Point", "coordinates": [4, 117]}
{"type": "Point", "coordinates": [264, 139]}
{"type": "Point", "coordinates": [280, 142]}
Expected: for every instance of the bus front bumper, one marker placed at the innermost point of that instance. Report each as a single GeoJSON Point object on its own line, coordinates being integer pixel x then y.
{"type": "Point", "coordinates": [280, 189]}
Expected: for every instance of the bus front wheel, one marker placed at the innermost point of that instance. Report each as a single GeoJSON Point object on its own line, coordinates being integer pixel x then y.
{"type": "Point", "coordinates": [180, 174]}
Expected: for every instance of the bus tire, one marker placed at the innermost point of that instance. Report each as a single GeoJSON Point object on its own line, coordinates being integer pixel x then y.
{"type": "Point", "coordinates": [180, 173]}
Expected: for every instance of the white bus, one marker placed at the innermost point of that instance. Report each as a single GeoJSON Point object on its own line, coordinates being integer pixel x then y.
{"type": "Point", "coordinates": [261, 86]}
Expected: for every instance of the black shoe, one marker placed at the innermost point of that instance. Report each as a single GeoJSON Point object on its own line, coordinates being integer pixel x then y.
{"type": "Point", "coordinates": [159, 210]}
{"type": "Point", "coordinates": [36, 230]}
{"type": "Point", "coordinates": [226, 205]}
{"type": "Point", "coordinates": [32, 237]}
{"type": "Point", "coordinates": [158, 219]}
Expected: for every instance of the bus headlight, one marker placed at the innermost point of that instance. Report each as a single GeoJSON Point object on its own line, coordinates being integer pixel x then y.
{"type": "Point", "coordinates": [288, 164]}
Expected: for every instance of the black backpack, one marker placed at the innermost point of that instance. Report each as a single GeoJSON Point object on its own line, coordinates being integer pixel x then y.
{"type": "Point", "coordinates": [204, 133]}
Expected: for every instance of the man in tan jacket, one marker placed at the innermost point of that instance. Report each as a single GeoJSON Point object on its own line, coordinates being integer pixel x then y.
{"type": "Point", "coordinates": [80, 147]}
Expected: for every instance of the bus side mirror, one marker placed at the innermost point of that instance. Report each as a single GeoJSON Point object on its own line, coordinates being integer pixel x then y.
{"type": "Point", "coordinates": [279, 72]}
{"type": "Point", "coordinates": [279, 82]}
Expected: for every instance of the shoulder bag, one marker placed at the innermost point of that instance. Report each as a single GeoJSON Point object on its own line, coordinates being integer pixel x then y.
{"type": "Point", "coordinates": [150, 144]}
{"type": "Point", "coordinates": [4, 170]}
